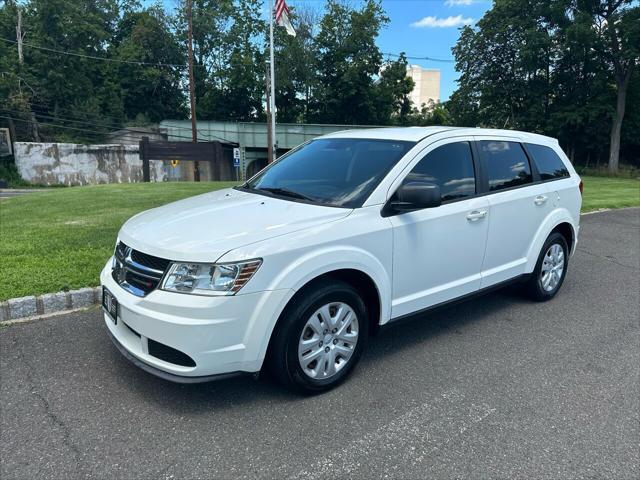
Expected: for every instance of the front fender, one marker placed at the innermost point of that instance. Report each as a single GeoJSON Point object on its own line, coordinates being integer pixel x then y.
{"type": "Point", "coordinates": [555, 218]}
{"type": "Point", "coordinates": [305, 268]}
{"type": "Point", "coordinates": [319, 262]}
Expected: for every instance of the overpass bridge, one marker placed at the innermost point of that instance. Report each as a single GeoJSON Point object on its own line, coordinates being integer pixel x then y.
{"type": "Point", "coordinates": [251, 137]}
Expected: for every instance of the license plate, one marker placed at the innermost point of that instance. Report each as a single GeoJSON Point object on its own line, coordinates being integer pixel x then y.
{"type": "Point", "coordinates": [110, 304]}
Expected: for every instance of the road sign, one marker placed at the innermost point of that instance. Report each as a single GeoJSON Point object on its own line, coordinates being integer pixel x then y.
{"type": "Point", "coordinates": [236, 157]}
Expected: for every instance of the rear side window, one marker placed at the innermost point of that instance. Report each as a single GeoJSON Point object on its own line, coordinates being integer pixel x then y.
{"type": "Point", "coordinates": [506, 164]}
{"type": "Point", "coordinates": [548, 163]}
{"type": "Point", "coordinates": [451, 168]}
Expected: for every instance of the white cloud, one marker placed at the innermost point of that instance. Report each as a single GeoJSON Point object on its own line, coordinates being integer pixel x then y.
{"type": "Point", "coordinates": [453, 3]}
{"type": "Point", "coordinates": [435, 22]}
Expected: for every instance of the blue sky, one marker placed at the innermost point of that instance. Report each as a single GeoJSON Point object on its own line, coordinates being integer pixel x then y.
{"type": "Point", "coordinates": [420, 28]}
{"type": "Point", "coordinates": [429, 28]}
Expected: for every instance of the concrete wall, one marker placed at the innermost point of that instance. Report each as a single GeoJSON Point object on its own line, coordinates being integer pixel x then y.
{"type": "Point", "coordinates": [73, 164]}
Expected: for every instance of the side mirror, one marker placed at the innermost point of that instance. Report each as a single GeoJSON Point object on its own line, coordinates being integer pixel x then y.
{"type": "Point", "coordinates": [416, 196]}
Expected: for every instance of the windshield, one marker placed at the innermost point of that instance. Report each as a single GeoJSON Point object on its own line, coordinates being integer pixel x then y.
{"type": "Point", "coordinates": [340, 172]}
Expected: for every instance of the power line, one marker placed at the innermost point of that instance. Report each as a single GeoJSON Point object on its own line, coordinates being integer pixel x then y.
{"type": "Point", "coordinates": [176, 65]}
{"type": "Point", "coordinates": [107, 129]}
{"type": "Point", "coordinates": [94, 57]}
{"type": "Point", "coordinates": [430, 59]}
{"type": "Point", "coordinates": [53, 125]}
{"type": "Point", "coordinates": [204, 131]}
{"type": "Point", "coordinates": [113, 124]}
{"type": "Point", "coordinates": [76, 114]}
{"type": "Point", "coordinates": [85, 130]}
{"type": "Point", "coordinates": [132, 133]}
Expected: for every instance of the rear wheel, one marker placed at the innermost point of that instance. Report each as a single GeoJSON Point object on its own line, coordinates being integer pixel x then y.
{"type": "Point", "coordinates": [551, 268]}
{"type": "Point", "coordinates": [319, 338]}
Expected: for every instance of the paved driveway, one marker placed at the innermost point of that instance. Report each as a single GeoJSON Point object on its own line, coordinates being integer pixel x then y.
{"type": "Point", "coordinates": [14, 192]}
{"type": "Point", "coordinates": [497, 387]}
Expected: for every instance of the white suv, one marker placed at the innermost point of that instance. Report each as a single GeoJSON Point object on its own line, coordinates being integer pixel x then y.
{"type": "Point", "coordinates": [342, 235]}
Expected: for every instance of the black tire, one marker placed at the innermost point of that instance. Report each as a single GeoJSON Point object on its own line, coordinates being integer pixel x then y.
{"type": "Point", "coordinates": [282, 360]}
{"type": "Point", "coordinates": [534, 287]}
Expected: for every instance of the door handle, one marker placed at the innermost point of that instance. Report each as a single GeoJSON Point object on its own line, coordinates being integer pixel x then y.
{"type": "Point", "coordinates": [476, 215]}
{"type": "Point", "coordinates": [540, 199]}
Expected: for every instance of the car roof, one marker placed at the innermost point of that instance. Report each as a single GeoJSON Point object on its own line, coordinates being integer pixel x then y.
{"type": "Point", "coordinates": [415, 134]}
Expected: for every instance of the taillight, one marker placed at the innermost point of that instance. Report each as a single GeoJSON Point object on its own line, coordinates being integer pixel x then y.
{"type": "Point", "coordinates": [581, 187]}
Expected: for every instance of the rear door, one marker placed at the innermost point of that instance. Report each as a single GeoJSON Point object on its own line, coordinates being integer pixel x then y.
{"type": "Point", "coordinates": [552, 170]}
{"type": "Point", "coordinates": [438, 252]}
{"type": "Point", "coordinates": [519, 203]}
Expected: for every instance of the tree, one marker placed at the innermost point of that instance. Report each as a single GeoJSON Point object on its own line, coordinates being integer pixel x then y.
{"type": "Point", "coordinates": [618, 26]}
{"type": "Point", "coordinates": [392, 104]}
{"type": "Point", "coordinates": [464, 103]}
{"type": "Point", "coordinates": [229, 62]}
{"type": "Point", "coordinates": [14, 91]}
{"type": "Point", "coordinates": [149, 92]}
{"type": "Point", "coordinates": [581, 109]}
{"type": "Point", "coordinates": [67, 85]}
{"type": "Point", "coordinates": [563, 69]}
{"type": "Point", "coordinates": [294, 67]}
{"type": "Point", "coordinates": [59, 92]}
{"type": "Point", "coordinates": [347, 61]}
{"type": "Point", "coordinates": [505, 67]}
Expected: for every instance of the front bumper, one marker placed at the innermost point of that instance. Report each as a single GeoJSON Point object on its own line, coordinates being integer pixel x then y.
{"type": "Point", "coordinates": [221, 334]}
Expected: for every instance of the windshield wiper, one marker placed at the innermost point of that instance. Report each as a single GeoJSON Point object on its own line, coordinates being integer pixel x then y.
{"type": "Point", "coordinates": [285, 192]}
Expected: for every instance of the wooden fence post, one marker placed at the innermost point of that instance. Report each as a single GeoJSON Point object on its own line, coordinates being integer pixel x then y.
{"type": "Point", "coordinates": [144, 156]}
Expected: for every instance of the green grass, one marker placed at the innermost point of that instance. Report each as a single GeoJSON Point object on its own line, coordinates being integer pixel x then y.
{"type": "Point", "coordinates": [59, 239]}
{"type": "Point", "coordinates": [610, 192]}
{"type": "Point", "coordinates": [624, 171]}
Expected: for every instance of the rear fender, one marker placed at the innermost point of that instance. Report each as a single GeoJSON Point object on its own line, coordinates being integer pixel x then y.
{"type": "Point", "coordinates": [555, 218]}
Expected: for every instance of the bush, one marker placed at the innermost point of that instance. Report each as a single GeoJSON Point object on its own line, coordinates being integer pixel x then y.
{"type": "Point", "coordinates": [9, 173]}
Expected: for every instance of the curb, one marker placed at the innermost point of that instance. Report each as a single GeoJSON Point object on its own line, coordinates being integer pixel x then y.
{"type": "Point", "coordinates": [49, 303]}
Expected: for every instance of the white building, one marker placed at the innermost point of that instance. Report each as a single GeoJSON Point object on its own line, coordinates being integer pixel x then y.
{"type": "Point", "coordinates": [427, 85]}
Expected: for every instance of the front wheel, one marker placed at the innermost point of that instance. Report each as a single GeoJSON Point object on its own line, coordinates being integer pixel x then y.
{"type": "Point", "coordinates": [551, 268]}
{"type": "Point", "coordinates": [319, 338]}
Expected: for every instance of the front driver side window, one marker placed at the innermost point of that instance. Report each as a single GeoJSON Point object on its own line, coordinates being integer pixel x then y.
{"type": "Point", "coordinates": [451, 168]}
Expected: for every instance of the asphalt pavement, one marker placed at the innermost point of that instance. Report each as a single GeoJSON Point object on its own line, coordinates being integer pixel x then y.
{"type": "Point", "coordinates": [497, 387]}
{"type": "Point", "coordinates": [14, 192]}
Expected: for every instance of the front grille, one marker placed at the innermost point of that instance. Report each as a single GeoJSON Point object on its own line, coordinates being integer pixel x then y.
{"type": "Point", "coordinates": [169, 354]}
{"type": "Point", "coordinates": [137, 272]}
{"type": "Point", "coordinates": [149, 260]}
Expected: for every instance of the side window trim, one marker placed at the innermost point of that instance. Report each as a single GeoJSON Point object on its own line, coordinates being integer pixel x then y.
{"type": "Point", "coordinates": [476, 166]}
{"type": "Point", "coordinates": [482, 182]}
{"type": "Point", "coordinates": [532, 164]}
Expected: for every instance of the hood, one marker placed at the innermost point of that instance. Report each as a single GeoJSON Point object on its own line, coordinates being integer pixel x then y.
{"type": "Point", "coordinates": [203, 228]}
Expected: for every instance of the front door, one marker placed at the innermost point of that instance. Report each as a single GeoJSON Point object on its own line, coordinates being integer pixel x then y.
{"type": "Point", "coordinates": [438, 252]}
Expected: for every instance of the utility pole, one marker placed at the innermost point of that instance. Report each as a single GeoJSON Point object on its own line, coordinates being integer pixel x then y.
{"type": "Point", "coordinates": [192, 87]}
{"type": "Point", "coordinates": [269, 132]}
{"type": "Point", "coordinates": [19, 37]}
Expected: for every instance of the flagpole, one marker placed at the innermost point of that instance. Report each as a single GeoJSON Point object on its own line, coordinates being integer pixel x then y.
{"type": "Point", "coordinates": [273, 82]}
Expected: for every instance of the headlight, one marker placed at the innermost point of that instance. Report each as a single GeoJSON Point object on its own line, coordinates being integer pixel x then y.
{"type": "Point", "coordinates": [209, 278]}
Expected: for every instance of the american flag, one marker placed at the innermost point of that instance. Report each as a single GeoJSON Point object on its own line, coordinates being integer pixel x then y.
{"type": "Point", "coordinates": [282, 17]}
